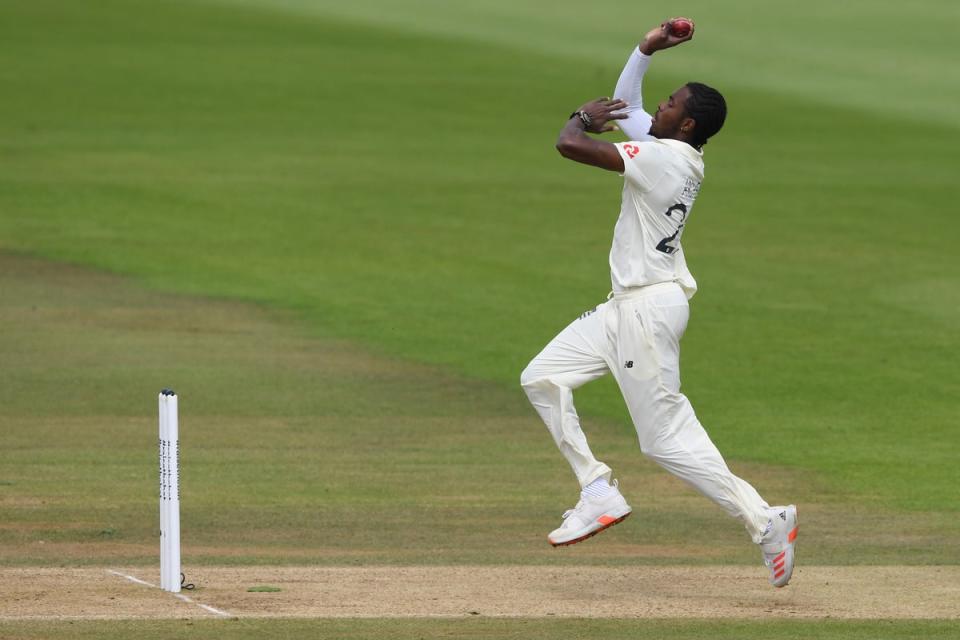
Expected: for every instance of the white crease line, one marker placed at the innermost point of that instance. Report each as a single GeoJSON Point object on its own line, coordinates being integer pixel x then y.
{"type": "Point", "coordinates": [131, 578]}
{"type": "Point", "coordinates": [215, 611]}
{"type": "Point", "coordinates": [181, 596]}
{"type": "Point", "coordinates": [203, 606]}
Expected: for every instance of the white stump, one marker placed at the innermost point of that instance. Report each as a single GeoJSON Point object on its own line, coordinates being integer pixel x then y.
{"type": "Point", "coordinates": [169, 493]}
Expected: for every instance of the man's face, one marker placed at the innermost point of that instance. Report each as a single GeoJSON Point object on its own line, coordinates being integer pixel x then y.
{"type": "Point", "coordinates": [670, 116]}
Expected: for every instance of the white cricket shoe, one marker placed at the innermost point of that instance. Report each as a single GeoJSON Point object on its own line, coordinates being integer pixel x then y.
{"type": "Point", "coordinates": [590, 517]}
{"type": "Point", "coordinates": [778, 544]}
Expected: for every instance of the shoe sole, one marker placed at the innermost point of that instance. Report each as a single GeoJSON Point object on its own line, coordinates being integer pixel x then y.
{"type": "Point", "coordinates": [792, 539]}
{"type": "Point", "coordinates": [592, 533]}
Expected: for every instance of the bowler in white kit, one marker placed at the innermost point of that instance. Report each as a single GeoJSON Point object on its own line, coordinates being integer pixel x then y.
{"type": "Point", "coordinates": [635, 334]}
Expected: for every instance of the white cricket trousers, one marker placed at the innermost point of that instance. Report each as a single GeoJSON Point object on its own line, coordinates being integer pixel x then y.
{"type": "Point", "coordinates": [636, 336]}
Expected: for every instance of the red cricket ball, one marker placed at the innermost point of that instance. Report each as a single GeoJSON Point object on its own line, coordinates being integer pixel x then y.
{"type": "Point", "coordinates": [681, 28]}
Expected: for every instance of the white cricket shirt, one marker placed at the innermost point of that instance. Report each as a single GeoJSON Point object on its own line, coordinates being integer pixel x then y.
{"type": "Point", "coordinates": [661, 181]}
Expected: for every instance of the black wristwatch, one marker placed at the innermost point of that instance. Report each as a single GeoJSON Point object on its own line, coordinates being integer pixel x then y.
{"type": "Point", "coordinates": [584, 118]}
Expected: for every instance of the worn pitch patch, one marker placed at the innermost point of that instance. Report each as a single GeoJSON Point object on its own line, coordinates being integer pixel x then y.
{"type": "Point", "coordinates": [816, 592]}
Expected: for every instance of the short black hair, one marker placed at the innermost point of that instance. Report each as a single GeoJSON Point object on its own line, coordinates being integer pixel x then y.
{"type": "Point", "coordinates": [707, 106]}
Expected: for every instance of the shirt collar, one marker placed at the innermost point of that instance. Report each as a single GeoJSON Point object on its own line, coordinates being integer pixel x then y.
{"type": "Point", "coordinates": [683, 147]}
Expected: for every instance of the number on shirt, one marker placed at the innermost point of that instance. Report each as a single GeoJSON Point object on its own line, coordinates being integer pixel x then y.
{"type": "Point", "coordinates": [664, 245]}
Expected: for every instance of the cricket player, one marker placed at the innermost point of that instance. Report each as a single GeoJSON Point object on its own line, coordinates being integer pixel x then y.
{"type": "Point", "coordinates": [635, 334]}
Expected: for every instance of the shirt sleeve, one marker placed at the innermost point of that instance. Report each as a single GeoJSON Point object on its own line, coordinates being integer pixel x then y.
{"type": "Point", "coordinates": [630, 89]}
{"type": "Point", "coordinates": [642, 163]}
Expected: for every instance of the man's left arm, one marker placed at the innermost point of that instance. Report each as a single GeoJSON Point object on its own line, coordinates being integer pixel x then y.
{"type": "Point", "coordinates": [575, 144]}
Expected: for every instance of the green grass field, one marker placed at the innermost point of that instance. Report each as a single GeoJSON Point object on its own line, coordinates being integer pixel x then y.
{"type": "Point", "coordinates": [512, 629]}
{"type": "Point", "coordinates": [341, 230]}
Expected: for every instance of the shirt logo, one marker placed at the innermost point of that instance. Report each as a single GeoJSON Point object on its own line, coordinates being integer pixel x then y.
{"type": "Point", "coordinates": [631, 150]}
{"type": "Point", "coordinates": [690, 190]}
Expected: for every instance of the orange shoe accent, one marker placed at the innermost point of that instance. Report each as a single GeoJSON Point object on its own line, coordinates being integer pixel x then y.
{"type": "Point", "coordinates": [779, 557]}
{"type": "Point", "coordinates": [777, 567]}
{"type": "Point", "coordinates": [606, 520]}
{"type": "Point", "coordinates": [612, 522]}
{"type": "Point", "coordinates": [778, 574]}
{"type": "Point", "coordinates": [793, 534]}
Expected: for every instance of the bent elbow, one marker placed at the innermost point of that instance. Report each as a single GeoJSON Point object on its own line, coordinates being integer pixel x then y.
{"type": "Point", "coordinates": [565, 147]}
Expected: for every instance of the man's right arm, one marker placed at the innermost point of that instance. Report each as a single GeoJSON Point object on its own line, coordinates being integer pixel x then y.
{"type": "Point", "coordinates": [630, 84]}
{"type": "Point", "coordinates": [630, 89]}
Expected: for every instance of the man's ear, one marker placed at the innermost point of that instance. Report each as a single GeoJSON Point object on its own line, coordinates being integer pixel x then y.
{"type": "Point", "coordinates": [687, 125]}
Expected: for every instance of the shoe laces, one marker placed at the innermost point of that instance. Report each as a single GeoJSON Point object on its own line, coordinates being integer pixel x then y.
{"type": "Point", "coordinates": [570, 512]}
{"type": "Point", "coordinates": [768, 528]}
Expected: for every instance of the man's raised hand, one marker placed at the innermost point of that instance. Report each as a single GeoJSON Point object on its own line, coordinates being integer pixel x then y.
{"type": "Point", "coordinates": [662, 37]}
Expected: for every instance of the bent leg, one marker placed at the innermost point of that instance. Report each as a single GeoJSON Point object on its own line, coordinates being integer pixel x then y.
{"type": "Point", "coordinates": [667, 427]}
{"type": "Point", "coordinates": [685, 450]}
{"type": "Point", "coordinates": [569, 361]}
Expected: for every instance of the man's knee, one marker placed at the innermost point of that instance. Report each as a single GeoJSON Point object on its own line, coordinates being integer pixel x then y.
{"type": "Point", "coordinates": [664, 432]}
{"type": "Point", "coordinates": [659, 451]}
{"type": "Point", "coordinates": [652, 435]}
{"type": "Point", "coordinates": [529, 375]}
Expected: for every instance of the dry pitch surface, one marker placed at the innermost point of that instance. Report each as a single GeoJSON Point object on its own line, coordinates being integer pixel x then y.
{"type": "Point", "coordinates": [519, 591]}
